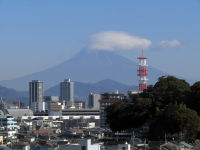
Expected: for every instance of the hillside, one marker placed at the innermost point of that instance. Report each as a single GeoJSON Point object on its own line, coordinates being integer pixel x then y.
{"type": "Point", "coordinates": [9, 95]}
{"type": "Point", "coordinates": [82, 90]}
{"type": "Point", "coordinates": [87, 66]}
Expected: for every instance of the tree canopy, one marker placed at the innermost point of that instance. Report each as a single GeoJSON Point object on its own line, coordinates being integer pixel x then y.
{"type": "Point", "coordinates": [123, 116]}
{"type": "Point", "coordinates": [169, 107]}
{"type": "Point", "coordinates": [176, 120]}
{"type": "Point", "coordinates": [194, 98]}
{"type": "Point", "coordinates": [169, 90]}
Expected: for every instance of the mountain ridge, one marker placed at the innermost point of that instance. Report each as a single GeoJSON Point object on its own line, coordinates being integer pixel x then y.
{"type": "Point", "coordinates": [87, 66]}
{"type": "Point", "coordinates": [11, 95]}
{"type": "Point", "coordinates": [81, 90]}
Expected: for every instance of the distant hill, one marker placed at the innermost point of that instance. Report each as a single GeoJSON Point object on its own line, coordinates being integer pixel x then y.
{"type": "Point", "coordinates": [82, 90]}
{"type": "Point", "coordinates": [87, 66]}
{"type": "Point", "coordinates": [10, 95]}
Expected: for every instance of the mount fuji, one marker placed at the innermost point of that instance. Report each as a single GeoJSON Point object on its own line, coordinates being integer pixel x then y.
{"type": "Point", "coordinates": [89, 67]}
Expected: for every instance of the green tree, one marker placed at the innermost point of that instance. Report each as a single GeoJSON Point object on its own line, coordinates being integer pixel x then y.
{"type": "Point", "coordinates": [116, 115]}
{"type": "Point", "coordinates": [121, 115]}
{"type": "Point", "coordinates": [163, 107]}
{"type": "Point", "coordinates": [194, 98]}
{"type": "Point", "coordinates": [170, 90]}
{"type": "Point", "coordinates": [176, 120]}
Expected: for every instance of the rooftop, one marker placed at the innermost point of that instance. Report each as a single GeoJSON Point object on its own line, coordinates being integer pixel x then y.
{"type": "Point", "coordinates": [108, 100]}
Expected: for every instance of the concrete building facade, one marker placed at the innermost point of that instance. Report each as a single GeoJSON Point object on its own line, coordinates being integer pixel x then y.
{"type": "Point", "coordinates": [36, 101]}
{"type": "Point", "coordinates": [108, 99]}
{"type": "Point", "coordinates": [67, 92]}
{"type": "Point", "coordinates": [78, 104]}
{"type": "Point", "coordinates": [55, 108]}
{"type": "Point", "coordinates": [85, 144]}
{"type": "Point", "coordinates": [93, 101]}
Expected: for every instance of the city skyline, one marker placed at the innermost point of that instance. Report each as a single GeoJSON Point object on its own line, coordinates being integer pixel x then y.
{"type": "Point", "coordinates": [38, 35]}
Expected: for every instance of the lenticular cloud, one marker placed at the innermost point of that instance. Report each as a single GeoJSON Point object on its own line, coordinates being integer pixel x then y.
{"type": "Point", "coordinates": [115, 40]}
{"type": "Point", "coordinates": [167, 44]}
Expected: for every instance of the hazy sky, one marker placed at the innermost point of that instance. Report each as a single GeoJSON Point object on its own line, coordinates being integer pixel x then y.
{"type": "Point", "coordinates": [38, 34]}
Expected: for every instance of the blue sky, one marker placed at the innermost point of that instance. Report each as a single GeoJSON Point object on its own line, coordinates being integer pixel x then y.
{"type": "Point", "coordinates": [38, 34]}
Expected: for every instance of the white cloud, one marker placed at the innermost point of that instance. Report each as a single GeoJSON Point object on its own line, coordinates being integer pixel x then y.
{"type": "Point", "coordinates": [167, 44]}
{"type": "Point", "coordinates": [115, 40]}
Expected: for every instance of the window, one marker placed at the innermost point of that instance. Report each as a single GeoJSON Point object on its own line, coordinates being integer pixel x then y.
{"type": "Point", "coordinates": [83, 148]}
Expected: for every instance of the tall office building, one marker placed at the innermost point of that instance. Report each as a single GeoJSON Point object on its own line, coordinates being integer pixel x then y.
{"type": "Point", "coordinates": [36, 102]}
{"type": "Point", "coordinates": [67, 92]}
{"type": "Point", "coordinates": [93, 101]}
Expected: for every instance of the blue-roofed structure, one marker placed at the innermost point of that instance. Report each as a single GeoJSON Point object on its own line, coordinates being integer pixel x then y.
{"type": "Point", "coordinates": [186, 145]}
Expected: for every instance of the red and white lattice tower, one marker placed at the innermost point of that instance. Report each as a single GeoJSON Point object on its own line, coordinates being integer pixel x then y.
{"type": "Point", "coordinates": [142, 72]}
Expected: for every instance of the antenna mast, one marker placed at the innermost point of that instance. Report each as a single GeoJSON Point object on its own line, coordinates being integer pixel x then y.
{"type": "Point", "coordinates": [142, 72]}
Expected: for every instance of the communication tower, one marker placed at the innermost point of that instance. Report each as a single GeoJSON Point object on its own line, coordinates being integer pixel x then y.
{"type": "Point", "coordinates": [142, 72]}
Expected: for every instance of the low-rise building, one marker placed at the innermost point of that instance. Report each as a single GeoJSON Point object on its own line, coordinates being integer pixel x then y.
{"type": "Point", "coordinates": [78, 104]}
{"type": "Point", "coordinates": [186, 146]}
{"type": "Point", "coordinates": [83, 112]}
{"type": "Point", "coordinates": [85, 144]}
{"type": "Point", "coordinates": [168, 147]}
{"type": "Point", "coordinates": [1, 140]}
{"type": "Point", "coordinates": [20, 146]}
{"type": "Point", "coordinates": [9, 127]}
{"type": "Point", "coordinates": [125, 146]}
{"type": "Point", "coordinates": [132, 95]}
{"type": "Point", "coordinates": [108, 99]}
{"type": "Point", "coordinates": [48, 99]}
{"type": "Point", "coordinates": [103, 104]}
{"type": "Point", "coordinates": [18, 113]}
{"type": "Point", "coordinates": [55, 108]}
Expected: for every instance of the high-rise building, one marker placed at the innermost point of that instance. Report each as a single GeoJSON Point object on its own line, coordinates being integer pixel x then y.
{"type": "Point", "coordinates": [94, 101]}
{"type": "Point", "coordinates": [36, 101]}
{"type": "Point", "coordinates": [67, 92]}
